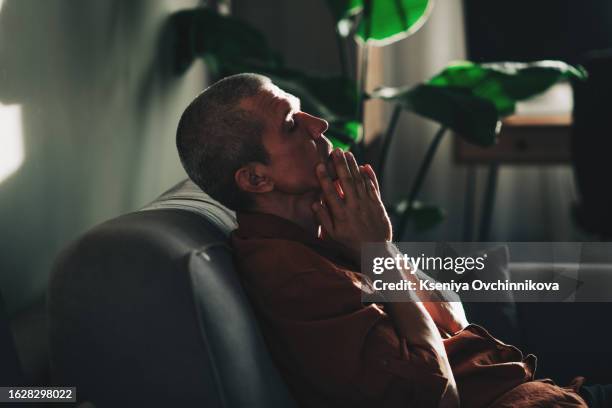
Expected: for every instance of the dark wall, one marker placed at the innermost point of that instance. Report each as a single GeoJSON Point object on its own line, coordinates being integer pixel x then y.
{"type": "Point", "coordinates": [537, 29]}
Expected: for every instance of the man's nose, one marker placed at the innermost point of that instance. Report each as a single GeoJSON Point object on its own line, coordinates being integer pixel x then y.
{"type": "Point", "coordinates": [316, 125]}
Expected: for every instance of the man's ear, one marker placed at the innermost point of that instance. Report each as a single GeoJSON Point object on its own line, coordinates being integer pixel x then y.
{"type": "Point", "coordinates": [253, 179]}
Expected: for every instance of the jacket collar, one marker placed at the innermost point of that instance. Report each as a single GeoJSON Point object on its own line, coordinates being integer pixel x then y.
{"type": "Point", "coordinates": [263, 225]}
{"type": "Point", "coordinates": [270, 226]}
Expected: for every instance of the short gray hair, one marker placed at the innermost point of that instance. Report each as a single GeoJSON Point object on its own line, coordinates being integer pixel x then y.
{"type": "Point", "coordinates": [215, 137]}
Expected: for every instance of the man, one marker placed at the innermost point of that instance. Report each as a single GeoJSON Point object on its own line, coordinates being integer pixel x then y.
{"type": "Point", "coordinates": [247, 143]}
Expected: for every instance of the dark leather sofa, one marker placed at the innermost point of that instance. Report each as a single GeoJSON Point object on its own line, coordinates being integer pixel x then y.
{"type": "Point", "coordinates": [146, 310]}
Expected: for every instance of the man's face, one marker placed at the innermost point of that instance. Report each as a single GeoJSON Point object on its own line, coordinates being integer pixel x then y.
{"type": "Point", "coordinates": [293, 139]}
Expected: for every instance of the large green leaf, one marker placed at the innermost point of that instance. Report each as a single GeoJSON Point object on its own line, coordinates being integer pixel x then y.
{"type": "Point", "coordinates": [344, 134]}
{"type": "Point", "coordinates": [201, 32]}
{"type": "Point", "coordinates": [385, 22]}
{"type": "Point", "coordinates": [506, 83]}
{"type": "Point", "coordinates": [424, 216]}
{"type": "Point", "coordinates": [473, 117]}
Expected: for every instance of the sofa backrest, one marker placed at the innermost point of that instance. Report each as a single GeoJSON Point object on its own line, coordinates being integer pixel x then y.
{"type": "Point", "coordinates": [146, 310]}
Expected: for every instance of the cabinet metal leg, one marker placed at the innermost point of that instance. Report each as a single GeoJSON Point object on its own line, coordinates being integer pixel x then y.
{"type": "Point", "coordinates": [488, 201]}
{"type": "Point", "coordinates": [470, 200]}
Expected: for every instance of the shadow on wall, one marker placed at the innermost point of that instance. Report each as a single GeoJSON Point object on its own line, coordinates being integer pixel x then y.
{"type": "Point", "coordinates": [91, 82]}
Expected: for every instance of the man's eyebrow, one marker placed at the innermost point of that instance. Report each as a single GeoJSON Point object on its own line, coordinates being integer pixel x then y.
{"type": "Point", "coordinates": [295, 102]}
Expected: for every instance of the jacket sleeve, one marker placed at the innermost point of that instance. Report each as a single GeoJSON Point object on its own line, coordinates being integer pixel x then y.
{"type": "Point", "coordinates": [345, 349]}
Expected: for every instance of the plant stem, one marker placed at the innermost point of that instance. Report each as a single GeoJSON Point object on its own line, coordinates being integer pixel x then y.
{"type": "Point", "coordinates": [340, 45]}
{"type": "Point", "coordinates": [363, 70]}
{"type": "Point", "coordinates": [342, 55]}
{"type": "Point", "coordinates": [386, 142]}
{"type": "Point", "coordinates": [420, 178]}
{"type": "Point", "coordinates": [363, 75]}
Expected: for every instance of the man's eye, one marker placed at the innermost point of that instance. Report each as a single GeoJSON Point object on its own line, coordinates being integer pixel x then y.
{"type": "Point", "coordinates": [292, 125]}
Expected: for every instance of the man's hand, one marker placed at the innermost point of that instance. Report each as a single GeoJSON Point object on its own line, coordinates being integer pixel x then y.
{"type": "Point", "coordinates": [358, 216]}
{"type": "Point", "coordinates": [444, 307]}
{"type": "Point", "coordinates": [449, 317]}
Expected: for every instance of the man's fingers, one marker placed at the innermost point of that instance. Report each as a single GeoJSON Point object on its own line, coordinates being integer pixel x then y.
{"type": "Point", "coordinates": [323, 217]}
{"type": "Point", "coordinates": [330, 194]}
{"type": "Point", "coordinates": [369, 184]}
{"type": "Point", "coordinates": [372, 176]}
{"type": "Point", "coordinates": [357, 176]}
{"type": "Point", "coordinates": [344, 175]}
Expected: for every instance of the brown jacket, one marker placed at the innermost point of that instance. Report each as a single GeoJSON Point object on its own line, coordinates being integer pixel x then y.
{"type": "Point", "coordinates": [335, 351]}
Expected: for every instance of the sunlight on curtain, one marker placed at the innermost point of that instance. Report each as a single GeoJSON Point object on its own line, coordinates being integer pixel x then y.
{"type": "Point", "coordinates": [11, 139]}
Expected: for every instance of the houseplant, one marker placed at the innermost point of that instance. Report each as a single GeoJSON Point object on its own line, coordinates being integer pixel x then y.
{"type": "Point", "coordinates": [466, 98]}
